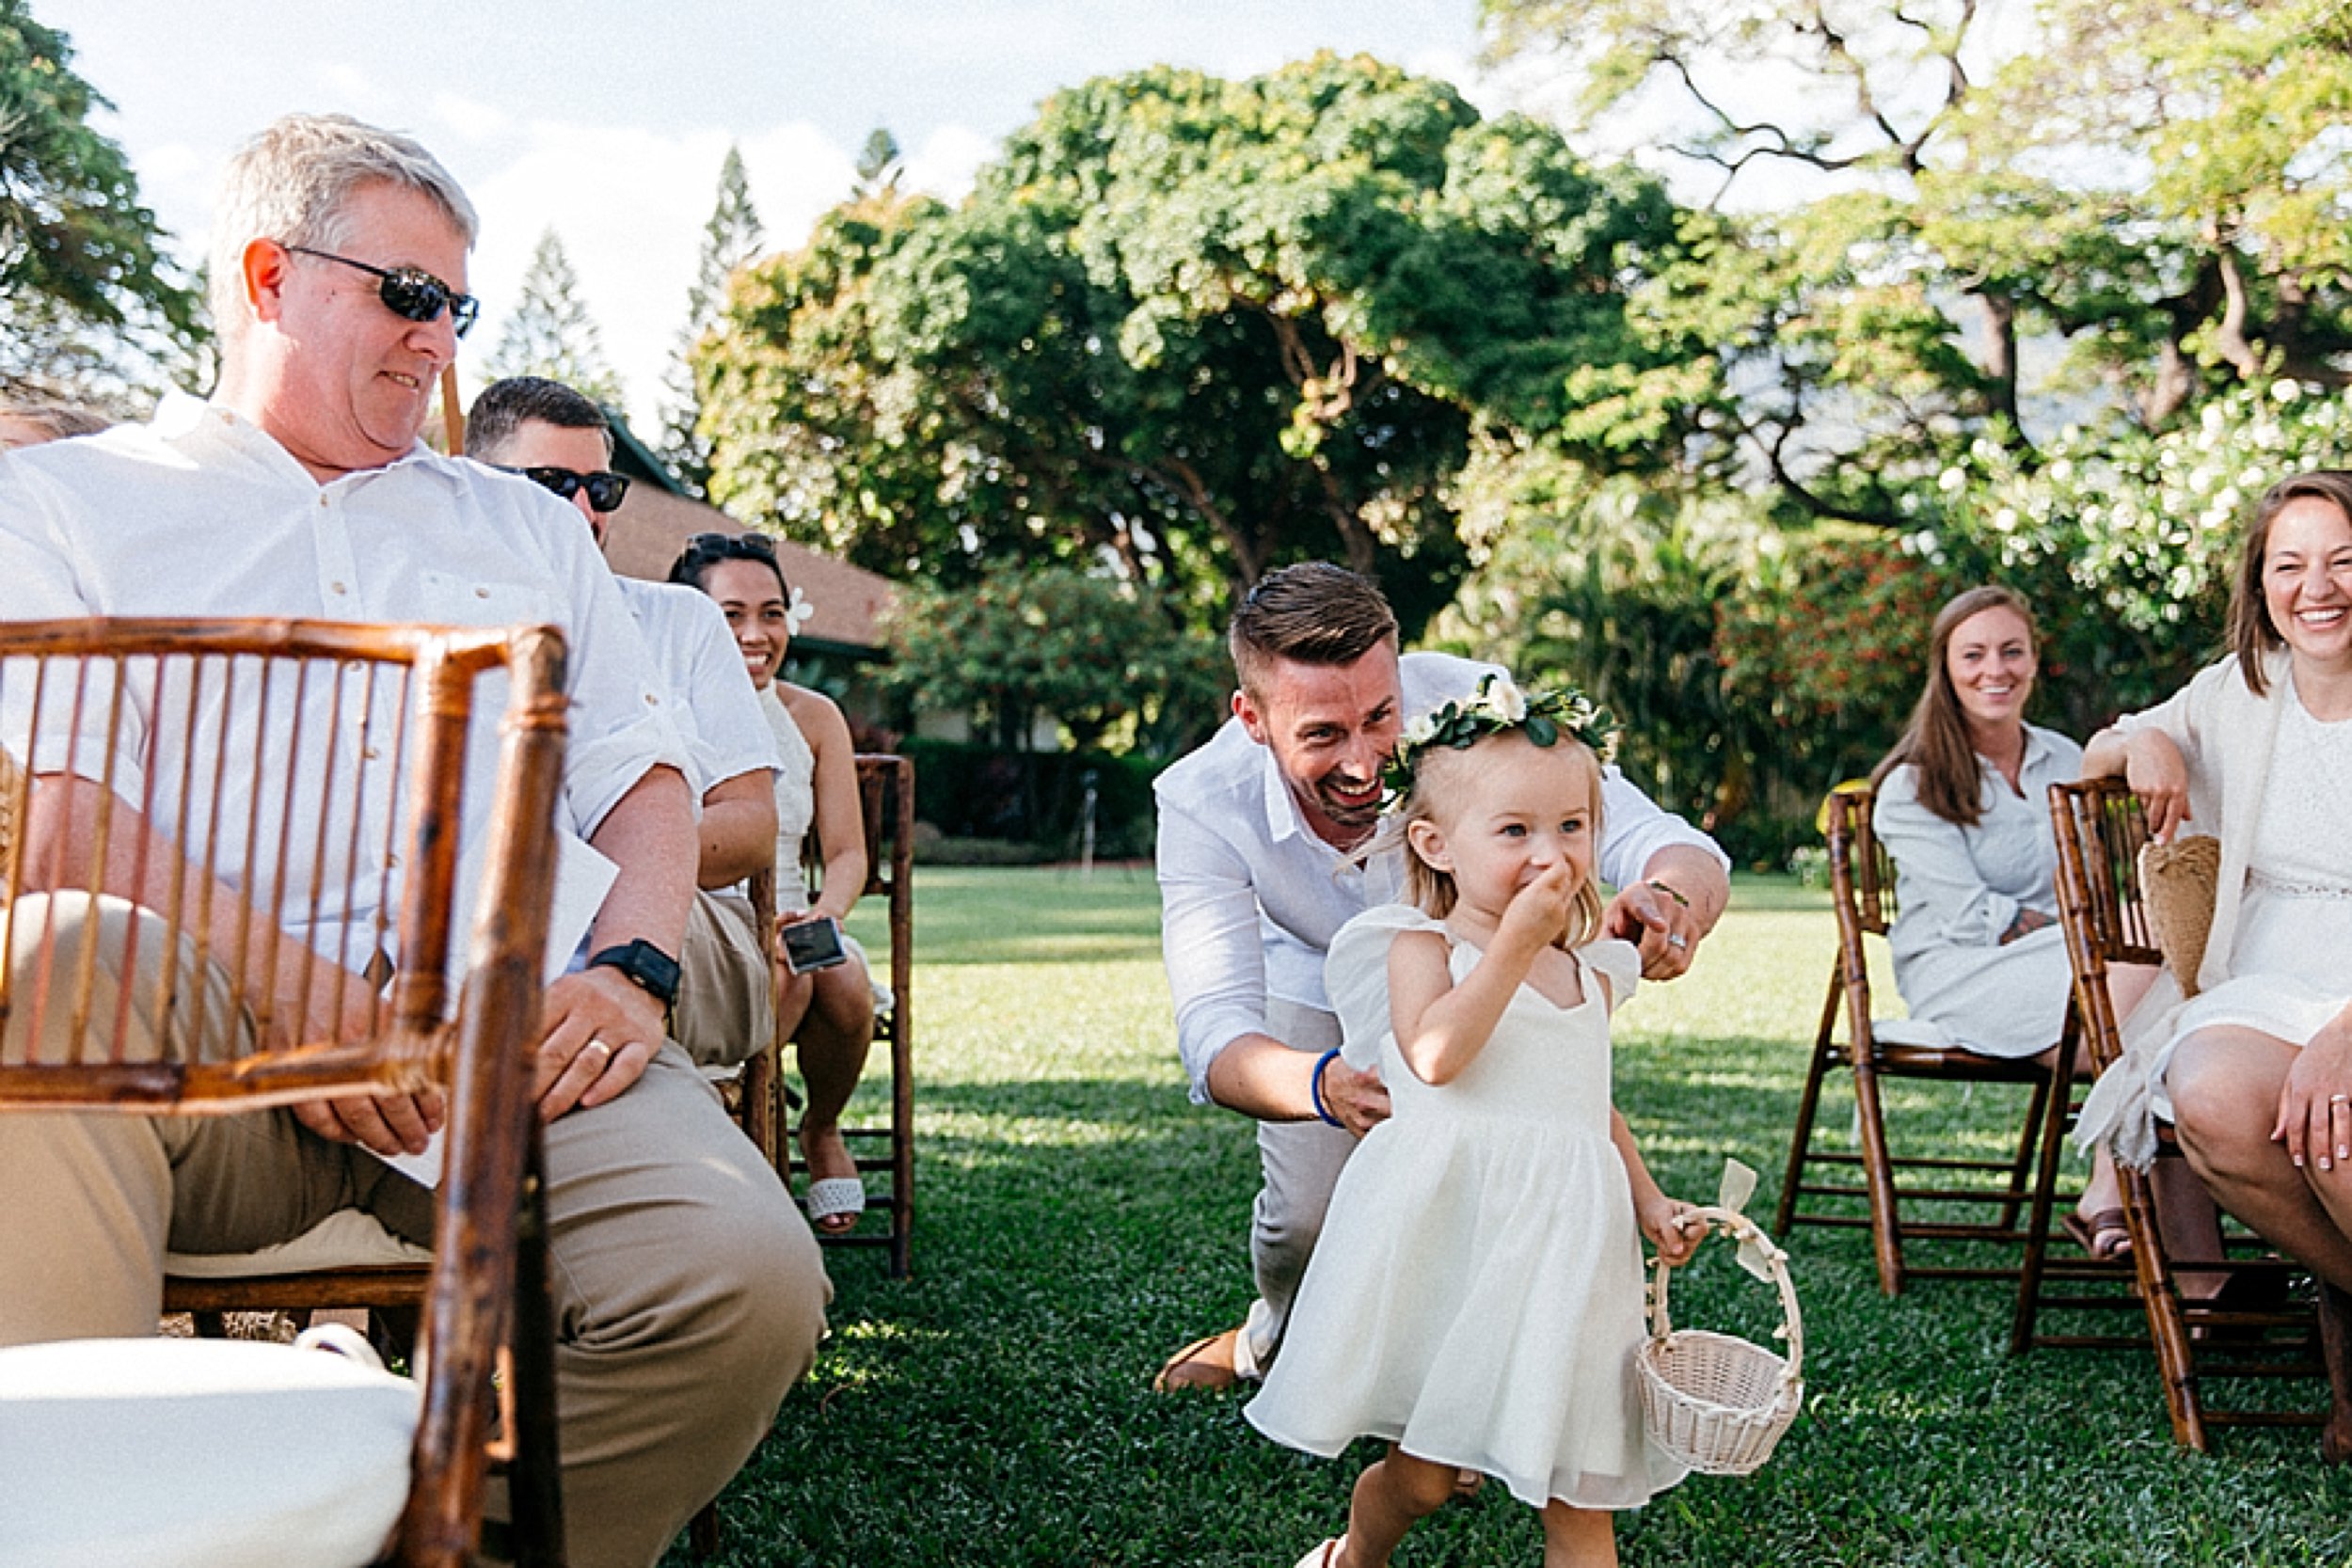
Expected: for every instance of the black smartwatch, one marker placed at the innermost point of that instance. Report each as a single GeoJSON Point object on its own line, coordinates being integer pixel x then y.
{"type": "Point", "coordinates": [648, 967]}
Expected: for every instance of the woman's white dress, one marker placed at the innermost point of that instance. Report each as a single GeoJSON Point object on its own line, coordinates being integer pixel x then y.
{"type": "Point", "coordinates": [1476, 1294]}
{"type": "Point", "coordinates": [1957, 889]}
{"type": "Point", "coordinates": [2269, 779]}
{"type": "Point", "coordinates": [796, 813]}
{"type": "Point", "coordinates": [2291, 967]}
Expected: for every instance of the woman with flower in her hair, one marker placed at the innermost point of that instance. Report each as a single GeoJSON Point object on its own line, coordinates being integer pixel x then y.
{"type": "Point", "coordinates": [1476, 1297]}
{"type": "Point", "coordinates": [829, 1013]}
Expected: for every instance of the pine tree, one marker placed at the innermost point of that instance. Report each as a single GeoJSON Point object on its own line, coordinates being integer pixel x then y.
{"type": "Point", "coordinates": [877, 163]}
{"type": "Point", "coordinates": [731, 238]}
{"type": "Point", "coordinates": [551, 334]}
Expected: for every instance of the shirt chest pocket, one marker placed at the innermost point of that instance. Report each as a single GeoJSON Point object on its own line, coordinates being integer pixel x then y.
{"type": "Point", "coordinates": [454, 600]}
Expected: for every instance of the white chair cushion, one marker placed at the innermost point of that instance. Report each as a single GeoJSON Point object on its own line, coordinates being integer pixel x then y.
{"type": "Point", "coordinates": [198, 1454]}
{"type": "Point", "coordinates": [346, 1239]}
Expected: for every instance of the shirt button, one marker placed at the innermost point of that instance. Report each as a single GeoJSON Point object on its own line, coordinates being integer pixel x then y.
{"type": "Point", "coordinates": [338, 588]}
{"type": "Point", "coordinates": [371, 752]}
{"type": "Point", "coordinates": [481, 593]}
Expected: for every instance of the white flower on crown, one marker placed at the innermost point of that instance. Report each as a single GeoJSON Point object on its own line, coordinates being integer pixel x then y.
{"type": "Point", "coordinates": [797, 613]}
{"type": "Point", "coordinates": [1422, 731]}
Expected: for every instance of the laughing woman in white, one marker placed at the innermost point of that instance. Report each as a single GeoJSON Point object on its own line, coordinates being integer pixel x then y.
{"type": "Point", "coordinates": [1963, 810]}
{"type": "Point", "coordinates": [829, 1013]}
{"type": "Point", "coordinates": [2256, 1072]}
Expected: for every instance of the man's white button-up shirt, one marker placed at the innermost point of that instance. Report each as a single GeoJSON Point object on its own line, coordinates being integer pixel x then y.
{"type": "Point", "coordinates": [1251, 896]}
{"type": "Point", "coordinates": [201, 512]}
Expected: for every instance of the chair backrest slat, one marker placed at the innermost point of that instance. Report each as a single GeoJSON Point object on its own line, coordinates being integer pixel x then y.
{"type": "Point", "coordinates": [2099, 829]}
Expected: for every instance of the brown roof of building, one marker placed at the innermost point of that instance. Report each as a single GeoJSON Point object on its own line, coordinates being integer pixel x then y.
{"type": "Point", "coordinates": [652, 527]}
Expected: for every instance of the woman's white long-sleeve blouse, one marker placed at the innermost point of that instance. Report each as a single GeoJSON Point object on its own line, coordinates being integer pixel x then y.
{"type": "Point", "coordinates": [1957, 889]}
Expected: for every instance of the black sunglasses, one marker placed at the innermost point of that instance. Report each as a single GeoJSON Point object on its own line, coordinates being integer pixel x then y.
{"type": "Point", "coordinates": [733, 546]}
{"type": "Point", "coordinates": [409, 292]}
{"type": "Point", "coordinates": [605, 488]}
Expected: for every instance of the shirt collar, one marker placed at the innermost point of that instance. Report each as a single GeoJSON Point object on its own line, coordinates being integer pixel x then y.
{"type": "Point", "coordinates": [187, 421]}
{"type": "Point", "coordinates": [1283, 819]}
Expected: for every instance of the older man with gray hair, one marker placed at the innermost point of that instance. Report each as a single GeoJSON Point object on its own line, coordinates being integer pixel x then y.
{"type": "Point", "coordinates": [689, 1293]}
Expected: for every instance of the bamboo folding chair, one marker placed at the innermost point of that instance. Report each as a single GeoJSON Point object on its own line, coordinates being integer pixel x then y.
{"type": "Point", "coordinates": [2199, 1341]}
{"type": "Point", "coordinates": [1862, 883]}
{"type": "Point", "coordinates": [191, 799]}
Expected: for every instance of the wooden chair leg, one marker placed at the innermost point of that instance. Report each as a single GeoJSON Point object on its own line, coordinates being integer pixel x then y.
{"type": "Point", "coordinates": [2167, 1331]}
{"type": "Point", "coordinates": [702, 1534]}
{"type": "Point", "coordinates": [535, 1483]}
{"type": "Point", "coordinates": [2054, 1108]}
{"type": "Point", "coordinates": [2335, 1349]}
{"type": "Point", "coordinates": [901, 1152]}
{"type": "Point", "coordinates": [2028, 1144]}
{"type": "Point", "coordinates": [1801, 1144]}
{"type": "Point", "coordinates": [1878, 1172]}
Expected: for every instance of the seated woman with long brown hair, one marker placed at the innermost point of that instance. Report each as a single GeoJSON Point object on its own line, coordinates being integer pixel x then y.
{"type": "Point", "coordinates": [1962, 807]}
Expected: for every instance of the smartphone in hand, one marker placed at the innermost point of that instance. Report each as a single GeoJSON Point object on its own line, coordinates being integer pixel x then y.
{"type": "Point", "coordinates": [814, 945]}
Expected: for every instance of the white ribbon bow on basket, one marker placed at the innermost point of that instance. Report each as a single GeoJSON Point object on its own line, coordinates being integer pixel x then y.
{"type": "Point", "coordinates": [1712, 1401]}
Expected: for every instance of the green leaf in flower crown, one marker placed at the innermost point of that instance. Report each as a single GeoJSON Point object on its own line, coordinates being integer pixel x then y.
{"type": "Point", "coordinates": [1540, 729]}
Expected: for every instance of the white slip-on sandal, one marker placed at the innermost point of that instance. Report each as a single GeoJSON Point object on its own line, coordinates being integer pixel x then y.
{"type": "Point", "coordinates": [832, 1199]}
{"type": "Point", "coordinates": [1320, 1557]}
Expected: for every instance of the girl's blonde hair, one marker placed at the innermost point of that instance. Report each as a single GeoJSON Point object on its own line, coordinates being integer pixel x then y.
{"type": "Point", "coordinates": [1432, 891]}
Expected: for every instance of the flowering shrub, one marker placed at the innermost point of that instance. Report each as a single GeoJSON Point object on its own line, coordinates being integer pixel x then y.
{"type": "Point", "coordinates": [2125, 541]}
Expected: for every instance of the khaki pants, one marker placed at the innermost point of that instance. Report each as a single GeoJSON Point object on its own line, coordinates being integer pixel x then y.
{"type": "Point", "coordinates": [727, 994]}
{"type": "Point", "coordinates": [689, 1293]}
{"type": "Point", "coordinates": [1301, 1161]}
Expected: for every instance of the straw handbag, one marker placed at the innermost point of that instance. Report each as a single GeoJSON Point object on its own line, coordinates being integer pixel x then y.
{"type": "Point", "coordinates": [1714, 1403]}
{"type": "Point", "coordinates": [2177, 881]}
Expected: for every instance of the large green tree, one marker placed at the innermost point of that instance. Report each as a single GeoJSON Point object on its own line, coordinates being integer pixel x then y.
{"type": "Point", "coordinates": [1199, 328]}
{"type": "Point", "coordinates": [90, 307]}
{"type": "Point", "coordinates": [1917, 196]}
{"type": "Point", "coordinates": [551, 334]}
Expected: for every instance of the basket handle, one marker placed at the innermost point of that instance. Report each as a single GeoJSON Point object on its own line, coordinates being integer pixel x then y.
{"type": "Point", "coordinates": [1748, 1233]}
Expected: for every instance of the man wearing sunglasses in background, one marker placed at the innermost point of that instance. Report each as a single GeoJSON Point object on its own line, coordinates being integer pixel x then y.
{"type": "Point", "coordinates": [548, 433]}
{"type": "Point", "coordinates": [689, 1292]}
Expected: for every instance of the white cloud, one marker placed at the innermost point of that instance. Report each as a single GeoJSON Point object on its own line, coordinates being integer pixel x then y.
{"type": "Point", "coordinates": [470, 118]}
{"type": "Point", "coordinates": [950, 161]}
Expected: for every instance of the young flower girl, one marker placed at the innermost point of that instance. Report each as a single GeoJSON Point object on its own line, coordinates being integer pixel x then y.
{"type": "Point", "coordinates": [1476, 1296]}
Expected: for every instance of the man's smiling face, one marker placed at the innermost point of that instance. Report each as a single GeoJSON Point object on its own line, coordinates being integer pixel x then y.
{"type": "Point", "coordinates": [353, 380]}
{"type": "Point", "coordinates": [1331, 728]}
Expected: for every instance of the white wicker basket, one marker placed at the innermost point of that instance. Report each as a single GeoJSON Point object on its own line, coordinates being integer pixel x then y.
{"type": "Point", "coordinates": [1714, 1403]}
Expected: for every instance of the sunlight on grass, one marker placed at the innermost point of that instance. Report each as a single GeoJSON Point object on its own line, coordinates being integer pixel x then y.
{"type": "Point", "coordinates": [1078, 1219]}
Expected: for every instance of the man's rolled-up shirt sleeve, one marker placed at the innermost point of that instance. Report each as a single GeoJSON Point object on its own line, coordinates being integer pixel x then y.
{"type": "Point", "coordinates": [1210, 936]}
{"type": "Point", "coordinates": [1634, 827]}
{"type": "Point", "coordinates": [620, 729]}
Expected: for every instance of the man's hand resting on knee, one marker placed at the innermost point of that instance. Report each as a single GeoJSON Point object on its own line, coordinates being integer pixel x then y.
{"type": "Point", "coordinates": [597, 1033]}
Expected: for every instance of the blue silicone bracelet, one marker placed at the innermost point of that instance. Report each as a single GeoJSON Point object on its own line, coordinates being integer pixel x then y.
{"type": "Point", "coordinates": [1315, 1088]}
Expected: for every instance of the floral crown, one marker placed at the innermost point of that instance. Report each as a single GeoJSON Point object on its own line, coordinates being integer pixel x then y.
{"type": "Point", "coordinates": [1497, 706]}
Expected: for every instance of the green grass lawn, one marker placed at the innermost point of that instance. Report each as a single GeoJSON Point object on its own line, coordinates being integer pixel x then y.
{"type": "Point", "coordinates": [1079, 1218]}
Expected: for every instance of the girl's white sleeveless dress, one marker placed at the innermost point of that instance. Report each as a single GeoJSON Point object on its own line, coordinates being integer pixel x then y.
{"type": "Point", "coordinates": [1476, 1294]}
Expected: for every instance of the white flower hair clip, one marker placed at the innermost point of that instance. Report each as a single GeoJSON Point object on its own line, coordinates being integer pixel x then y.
{"type": "Point", "coordinates": [797, 613]}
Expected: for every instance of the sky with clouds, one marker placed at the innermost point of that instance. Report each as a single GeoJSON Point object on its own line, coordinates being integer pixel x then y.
{"type": "Point", "coordinates": [608, 120]}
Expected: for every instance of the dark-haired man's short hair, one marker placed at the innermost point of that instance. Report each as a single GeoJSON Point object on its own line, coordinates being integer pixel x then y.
{"type": "Point", "coordinates": [505, 406]}
{"type": "Point", "coordinates": [1310, 613]}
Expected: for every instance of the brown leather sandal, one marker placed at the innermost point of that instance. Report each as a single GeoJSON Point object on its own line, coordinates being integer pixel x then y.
{"type": "Point", "coordinates": [2102, 1234]}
